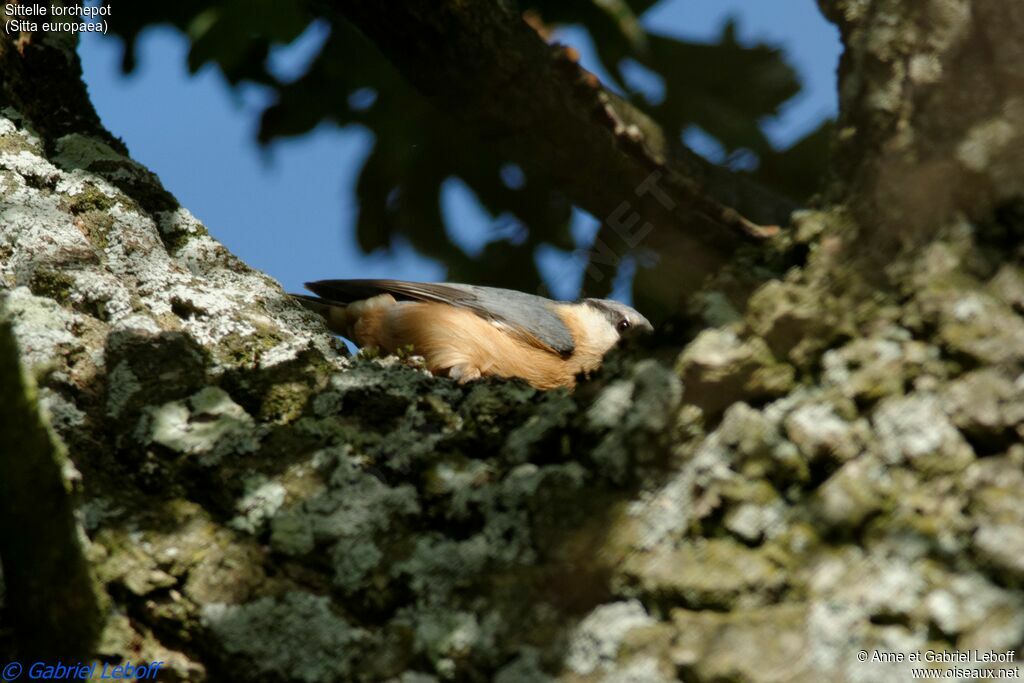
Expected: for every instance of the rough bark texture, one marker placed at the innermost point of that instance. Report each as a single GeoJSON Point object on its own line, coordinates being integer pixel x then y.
{"type": "Point", "coordinates": [38, 529]}
{"type": "Point", "coordinates": [932, 100]}
{"type": "Point", "coordinates": [834, 467]}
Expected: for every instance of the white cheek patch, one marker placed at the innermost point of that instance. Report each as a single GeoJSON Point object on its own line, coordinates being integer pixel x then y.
{"type": "Point", "coordinates": [599, 332]}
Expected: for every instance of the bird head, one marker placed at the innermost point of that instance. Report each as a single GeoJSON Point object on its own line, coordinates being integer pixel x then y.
{"type": "Point", "coordinates": [624, 319]}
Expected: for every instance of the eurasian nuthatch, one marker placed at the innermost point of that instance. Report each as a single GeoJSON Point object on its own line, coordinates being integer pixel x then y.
{"type": "Point", "coordinates": [467, 332]}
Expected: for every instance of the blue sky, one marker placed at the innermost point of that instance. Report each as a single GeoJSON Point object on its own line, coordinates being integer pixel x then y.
{"type": "Point", "coordinates": [288, 209]}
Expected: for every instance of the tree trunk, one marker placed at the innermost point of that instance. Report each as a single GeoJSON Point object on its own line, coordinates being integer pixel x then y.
{"type": "Point", "coordinates": [833, 466]}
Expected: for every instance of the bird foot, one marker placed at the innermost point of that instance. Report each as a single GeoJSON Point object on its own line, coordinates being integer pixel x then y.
{"type": "Point", "coordinates": [464, 373]}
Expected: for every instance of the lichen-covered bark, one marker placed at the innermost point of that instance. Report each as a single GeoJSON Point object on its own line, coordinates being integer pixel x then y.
{"type": "Point", "coordinates": [832, 465]}
{"type": "Point", "coordinates": [251, 495]}
{"type": "Point", "coordinates": [932, 98]}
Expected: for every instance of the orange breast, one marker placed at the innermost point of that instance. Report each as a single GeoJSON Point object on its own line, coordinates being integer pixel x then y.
{"type": "Point", "coordinates": [447, 337]}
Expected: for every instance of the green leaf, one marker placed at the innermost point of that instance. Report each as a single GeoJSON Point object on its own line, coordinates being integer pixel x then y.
{"type": "Point", "coordinates": [725, 88]}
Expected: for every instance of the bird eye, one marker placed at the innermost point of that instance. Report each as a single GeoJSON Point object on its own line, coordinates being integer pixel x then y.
{"type": "Point", "coordinates": [622, 325]}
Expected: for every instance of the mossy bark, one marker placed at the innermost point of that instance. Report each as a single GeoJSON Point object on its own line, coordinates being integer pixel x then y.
{"type": "Point", "coordinates": [49, 590]}
{"type": "Point", "coordinates": [832, 465]}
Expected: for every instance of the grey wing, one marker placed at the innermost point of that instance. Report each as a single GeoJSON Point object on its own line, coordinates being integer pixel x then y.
{"type": "Point", "coordinates": [533, 318]}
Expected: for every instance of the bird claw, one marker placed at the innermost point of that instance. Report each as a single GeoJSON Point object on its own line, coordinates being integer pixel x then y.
{"type": "Point", "coordinates": [464, 373]}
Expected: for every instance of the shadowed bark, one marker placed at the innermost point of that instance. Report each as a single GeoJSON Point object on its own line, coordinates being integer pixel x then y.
{"type": "Point", "coordinates": [48, 585]}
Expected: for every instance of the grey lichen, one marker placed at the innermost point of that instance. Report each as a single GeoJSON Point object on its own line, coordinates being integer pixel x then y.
{"type": "Point", "coordinates": [208, 425]}
{"type": "Point", "coordinates": [595, 643]}
{"type": "Point", "coordinates": [297, 636]}
{"type": "Point", "coordinates": [914, 430]}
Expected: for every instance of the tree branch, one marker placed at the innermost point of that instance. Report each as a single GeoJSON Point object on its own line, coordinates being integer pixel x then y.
{"type": "Point", "coordinates": [485, 65]}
